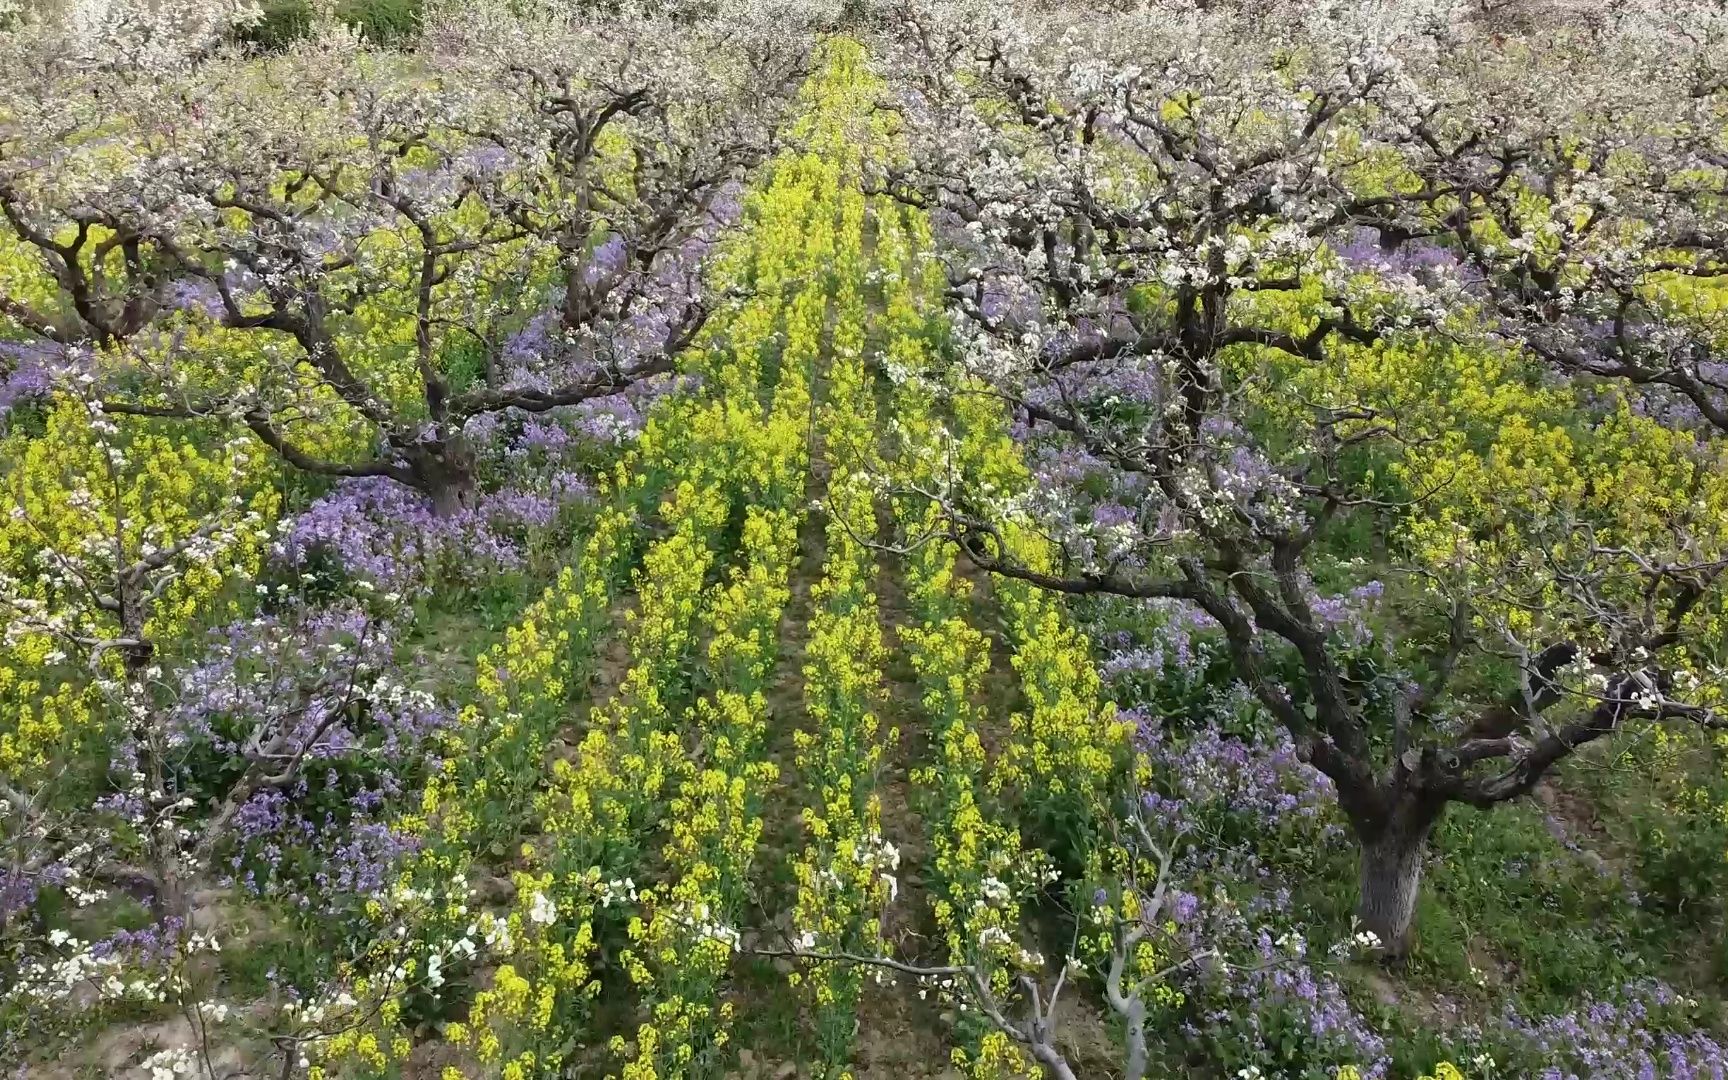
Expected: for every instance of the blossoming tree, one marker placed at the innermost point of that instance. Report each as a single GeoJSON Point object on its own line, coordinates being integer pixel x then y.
{"type": "Point", "coordinates": [1309, 277]}
{"type": "Point", "coordinates": [353, 270]}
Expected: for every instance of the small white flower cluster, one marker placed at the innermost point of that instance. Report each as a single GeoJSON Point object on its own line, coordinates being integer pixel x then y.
{"type": "Point", "coordinates": [617, 891]}
{"type": "Point", "coordinates": [198, 943]}
{"type": "Point", "coordinates": [1008, 879]}
{"type": "Point", "coordinates": [82, 897]}
{"type": "Point", "coordinates": [701, 920]}
{"type": "Point", "coordinates": [428, 952]}
{"type": "Point", "coordinates": [402, 897]}
{"type": "Point", "coordinates": [80, 970]}
{"type": "Point", "coordinates": [393, 694]}
{"type": "Point", "coordinates": [542, 911]}
{"type": "Point", "coordinates": [1359, 940]}
{"type": "Point", "coordinates": [495, 932]}
{"type": "Point", "coordinates": [1581, 675]}
{"type": "Point", "coordinates": [945, 986]}
{"type": "Point", "coordinates": [877, 853]}
{"type": "Point", "coordinates": [171, 1063]}
{"type": "Point", "coordinates": [315, 1011]}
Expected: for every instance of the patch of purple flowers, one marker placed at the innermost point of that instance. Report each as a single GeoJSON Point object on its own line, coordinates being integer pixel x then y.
{"type": "Point", "coordinates": [26, 376]}
{"type": "Point", "coordinates": [1642, 1030]}
{"type": "Point", "coordinates": [387, 533]}
{"type": "Point", "coordinates": [320, 684]}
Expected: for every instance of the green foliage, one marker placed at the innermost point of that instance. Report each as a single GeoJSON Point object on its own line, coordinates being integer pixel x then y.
{"type": "Point", "coordinates": [382, 22]}
{"type": "Point", "coordinates": [1517, 903]}
{"type": "Point", "coordinates": [1681, 864]}
{"type": "Point", "coordinates": [462, 359]}
{"type": "Point", "coordinates": [282, 23]}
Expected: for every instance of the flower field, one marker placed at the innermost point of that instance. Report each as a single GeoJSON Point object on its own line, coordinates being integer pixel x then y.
{"type": "Point", "coordinates": [762, 540]}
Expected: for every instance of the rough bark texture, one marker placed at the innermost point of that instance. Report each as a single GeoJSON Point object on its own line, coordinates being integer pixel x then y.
{"type": "Point", "coordinates": [1391, 874]}
{"type": "Point", "coordinates": [446, 474]}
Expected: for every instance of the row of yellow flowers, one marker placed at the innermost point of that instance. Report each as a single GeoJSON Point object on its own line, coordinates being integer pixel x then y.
{"type": "Point", "coordinates": [682, 940]}
{"type": "Point", "coordinates": [845, 874]}
{"type": "Point", "coordinates": [1069, 754]}
{"type": "Point", "coordinates": [495, 782]}
{"type": "Point", "coordinates": [977, 870]}
{"type": "Point", "coordinates": [1069, 766]}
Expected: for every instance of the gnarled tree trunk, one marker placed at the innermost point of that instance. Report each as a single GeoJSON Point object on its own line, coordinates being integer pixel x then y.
{"type": "Point", "coordinates": [1391, 871]}
{"type": "Point", "coordinates": [444, 471]}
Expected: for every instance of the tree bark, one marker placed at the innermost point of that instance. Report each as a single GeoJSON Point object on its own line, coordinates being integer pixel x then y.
{"type": "Point", "coordinates": [444, 471]}
{"type": "Point", "coordinates": [1135, 1036]}
{"type": "Point", "coordinates": [1391, 875]}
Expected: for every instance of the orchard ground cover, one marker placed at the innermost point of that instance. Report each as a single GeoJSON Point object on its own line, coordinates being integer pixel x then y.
{"type": "Point", "coordinates": [632, 591]}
